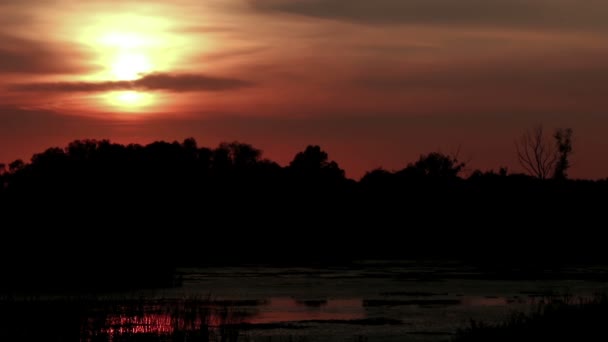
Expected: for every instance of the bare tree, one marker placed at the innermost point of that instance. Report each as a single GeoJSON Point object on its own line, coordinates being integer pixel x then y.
{"type": "Point", "coordinates": [536, 154]}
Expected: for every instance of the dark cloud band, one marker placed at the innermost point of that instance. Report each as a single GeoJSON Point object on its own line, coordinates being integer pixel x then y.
{"type": "Point", "coordinates": [156, 81]}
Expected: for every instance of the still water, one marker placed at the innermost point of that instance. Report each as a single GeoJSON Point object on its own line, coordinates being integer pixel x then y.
{"type": "Point", "coordinates": [367, 302]}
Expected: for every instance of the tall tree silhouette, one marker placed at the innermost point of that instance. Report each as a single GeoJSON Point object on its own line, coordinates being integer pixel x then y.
{"type": "Point", "coordinates": [243, 155]}
{"type": "Point", "coordinates": [563, 141]}
{"type": "Point", "coordinates": [235, 155]}
{"type": "Point", "coordinates": [190, 148]}
{"type": "Point", "coordinates": [314, 163]}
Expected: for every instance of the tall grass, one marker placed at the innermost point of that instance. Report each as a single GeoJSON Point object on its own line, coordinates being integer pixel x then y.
{"type": "Point", "coordinates": [564, 318]}
{"type": "Point", "coordinates": [117, 320]}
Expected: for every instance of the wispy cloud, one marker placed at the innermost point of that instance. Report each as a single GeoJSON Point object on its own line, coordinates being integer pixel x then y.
{"type": "Point", "coordinates": [25, 56]}
{"type": "Point", "coordinates": [221, 55]}
{"type": "Point", "coordinates": [155, 81]}
{"type": "Point", "coordinates": [537, 13]}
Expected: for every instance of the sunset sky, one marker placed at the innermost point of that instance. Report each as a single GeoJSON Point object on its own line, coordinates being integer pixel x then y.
{"type": "Point", "coordinates": [374, 82]}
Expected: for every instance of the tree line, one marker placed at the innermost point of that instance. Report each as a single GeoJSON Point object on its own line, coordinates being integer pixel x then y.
{"type": "Point", "coordinates": [538, 157]}
{"type": "Point", "coordinates": [134, 207]}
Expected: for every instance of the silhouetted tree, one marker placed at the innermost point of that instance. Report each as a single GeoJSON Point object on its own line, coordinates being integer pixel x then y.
{"type": "Point", "coordinates": [16, 165]}
{"type": "Point", "coordinates": [535, 154]}
{"type": "Point", "coordinates": [243, 155]}
{"type": "Point", "coordinates": [542, 159]}
{"type": "Point", "coordinates": [190, 148]}
{"type": "Point", "coordinates": [83, 149]}
{"type": "Point", "coordinates": [189, 144]}
{"type": "Point", "coordinates": [563, 141]}
{"type": "Point", "coordinates": [436, 165]}
{"type": "Point", "coordinates": [221, 160]}
{"type": "Point", "coordinates": [50, 157]}
{"type": "Point", "coordinates": [314, 162]}
{"type": "Point", "coordinates": [235, 155]}
{"type": "Point", "coordinates": [205, 155]}
{"type": "Point", "coordinates": [313, 158]}
{"type": "Point", "coordinates": [2, 168]}
{"type": "Point", "coordinates": [377, 177]}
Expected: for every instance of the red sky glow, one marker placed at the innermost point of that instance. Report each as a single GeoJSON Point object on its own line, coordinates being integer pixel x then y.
{"type": "Point", "coordinates": [375, 83]}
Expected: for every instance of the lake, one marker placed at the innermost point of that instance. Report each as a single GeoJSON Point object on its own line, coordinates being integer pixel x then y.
{"type": "Point", "coordinates": [368, 301]}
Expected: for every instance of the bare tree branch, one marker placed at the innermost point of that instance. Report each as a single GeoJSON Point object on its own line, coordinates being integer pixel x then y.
{"type": "Point", "coordinates": [535, 154]}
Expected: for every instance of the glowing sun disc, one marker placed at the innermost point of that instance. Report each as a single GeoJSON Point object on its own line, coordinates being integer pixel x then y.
{"type": "Point", "coordinates": [130, 66]}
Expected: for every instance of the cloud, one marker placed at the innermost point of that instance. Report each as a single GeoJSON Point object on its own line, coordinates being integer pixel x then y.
{"type": "Point", "coordinates": [25, 56]}
{"type": "Point", "coordinates": [536, 13]}
{"type": "Point", "coordinates": [228, 54]}
{"type": "Point", "coordinates": [189, 82]}
{"type": "Point", "coordinates": [585, 73]}
{"type": "Point", "coordinates": [155, 81]}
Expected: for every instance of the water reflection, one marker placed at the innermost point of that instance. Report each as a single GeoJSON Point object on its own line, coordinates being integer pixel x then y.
{"type": "Point", "coordinates": [119, 320]}
{"type": "Point", "coordinates": [112, 320]}
{"type": "Point", "coordinates": [312, 303]}
{"type": "Point", "coordinates": [286, 309]}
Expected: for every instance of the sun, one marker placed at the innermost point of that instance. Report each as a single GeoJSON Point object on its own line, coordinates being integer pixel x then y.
{"type": "Point", "coordinates": [129, 61]}
{"type": "Point", "coordinates": [127, 47]}
{"type": "Point", "coordinates": [129, 66]}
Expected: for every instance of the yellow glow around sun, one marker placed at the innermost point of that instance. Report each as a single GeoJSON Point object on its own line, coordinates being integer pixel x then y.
{"type": "Point", "coordinates": [128, 56]}
{"type": "Point", "coordinates": [130, 97]}
{"type": "Point", "coordinates": [127, 45]}
{"type": "Point", "coordinates": [126, 40]}
{"type": "Point", "coordinates": [129, 100]}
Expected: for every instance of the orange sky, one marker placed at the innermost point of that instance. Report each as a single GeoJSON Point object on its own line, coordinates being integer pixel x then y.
{"type": "Point", "coordinates": [375, 83]}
